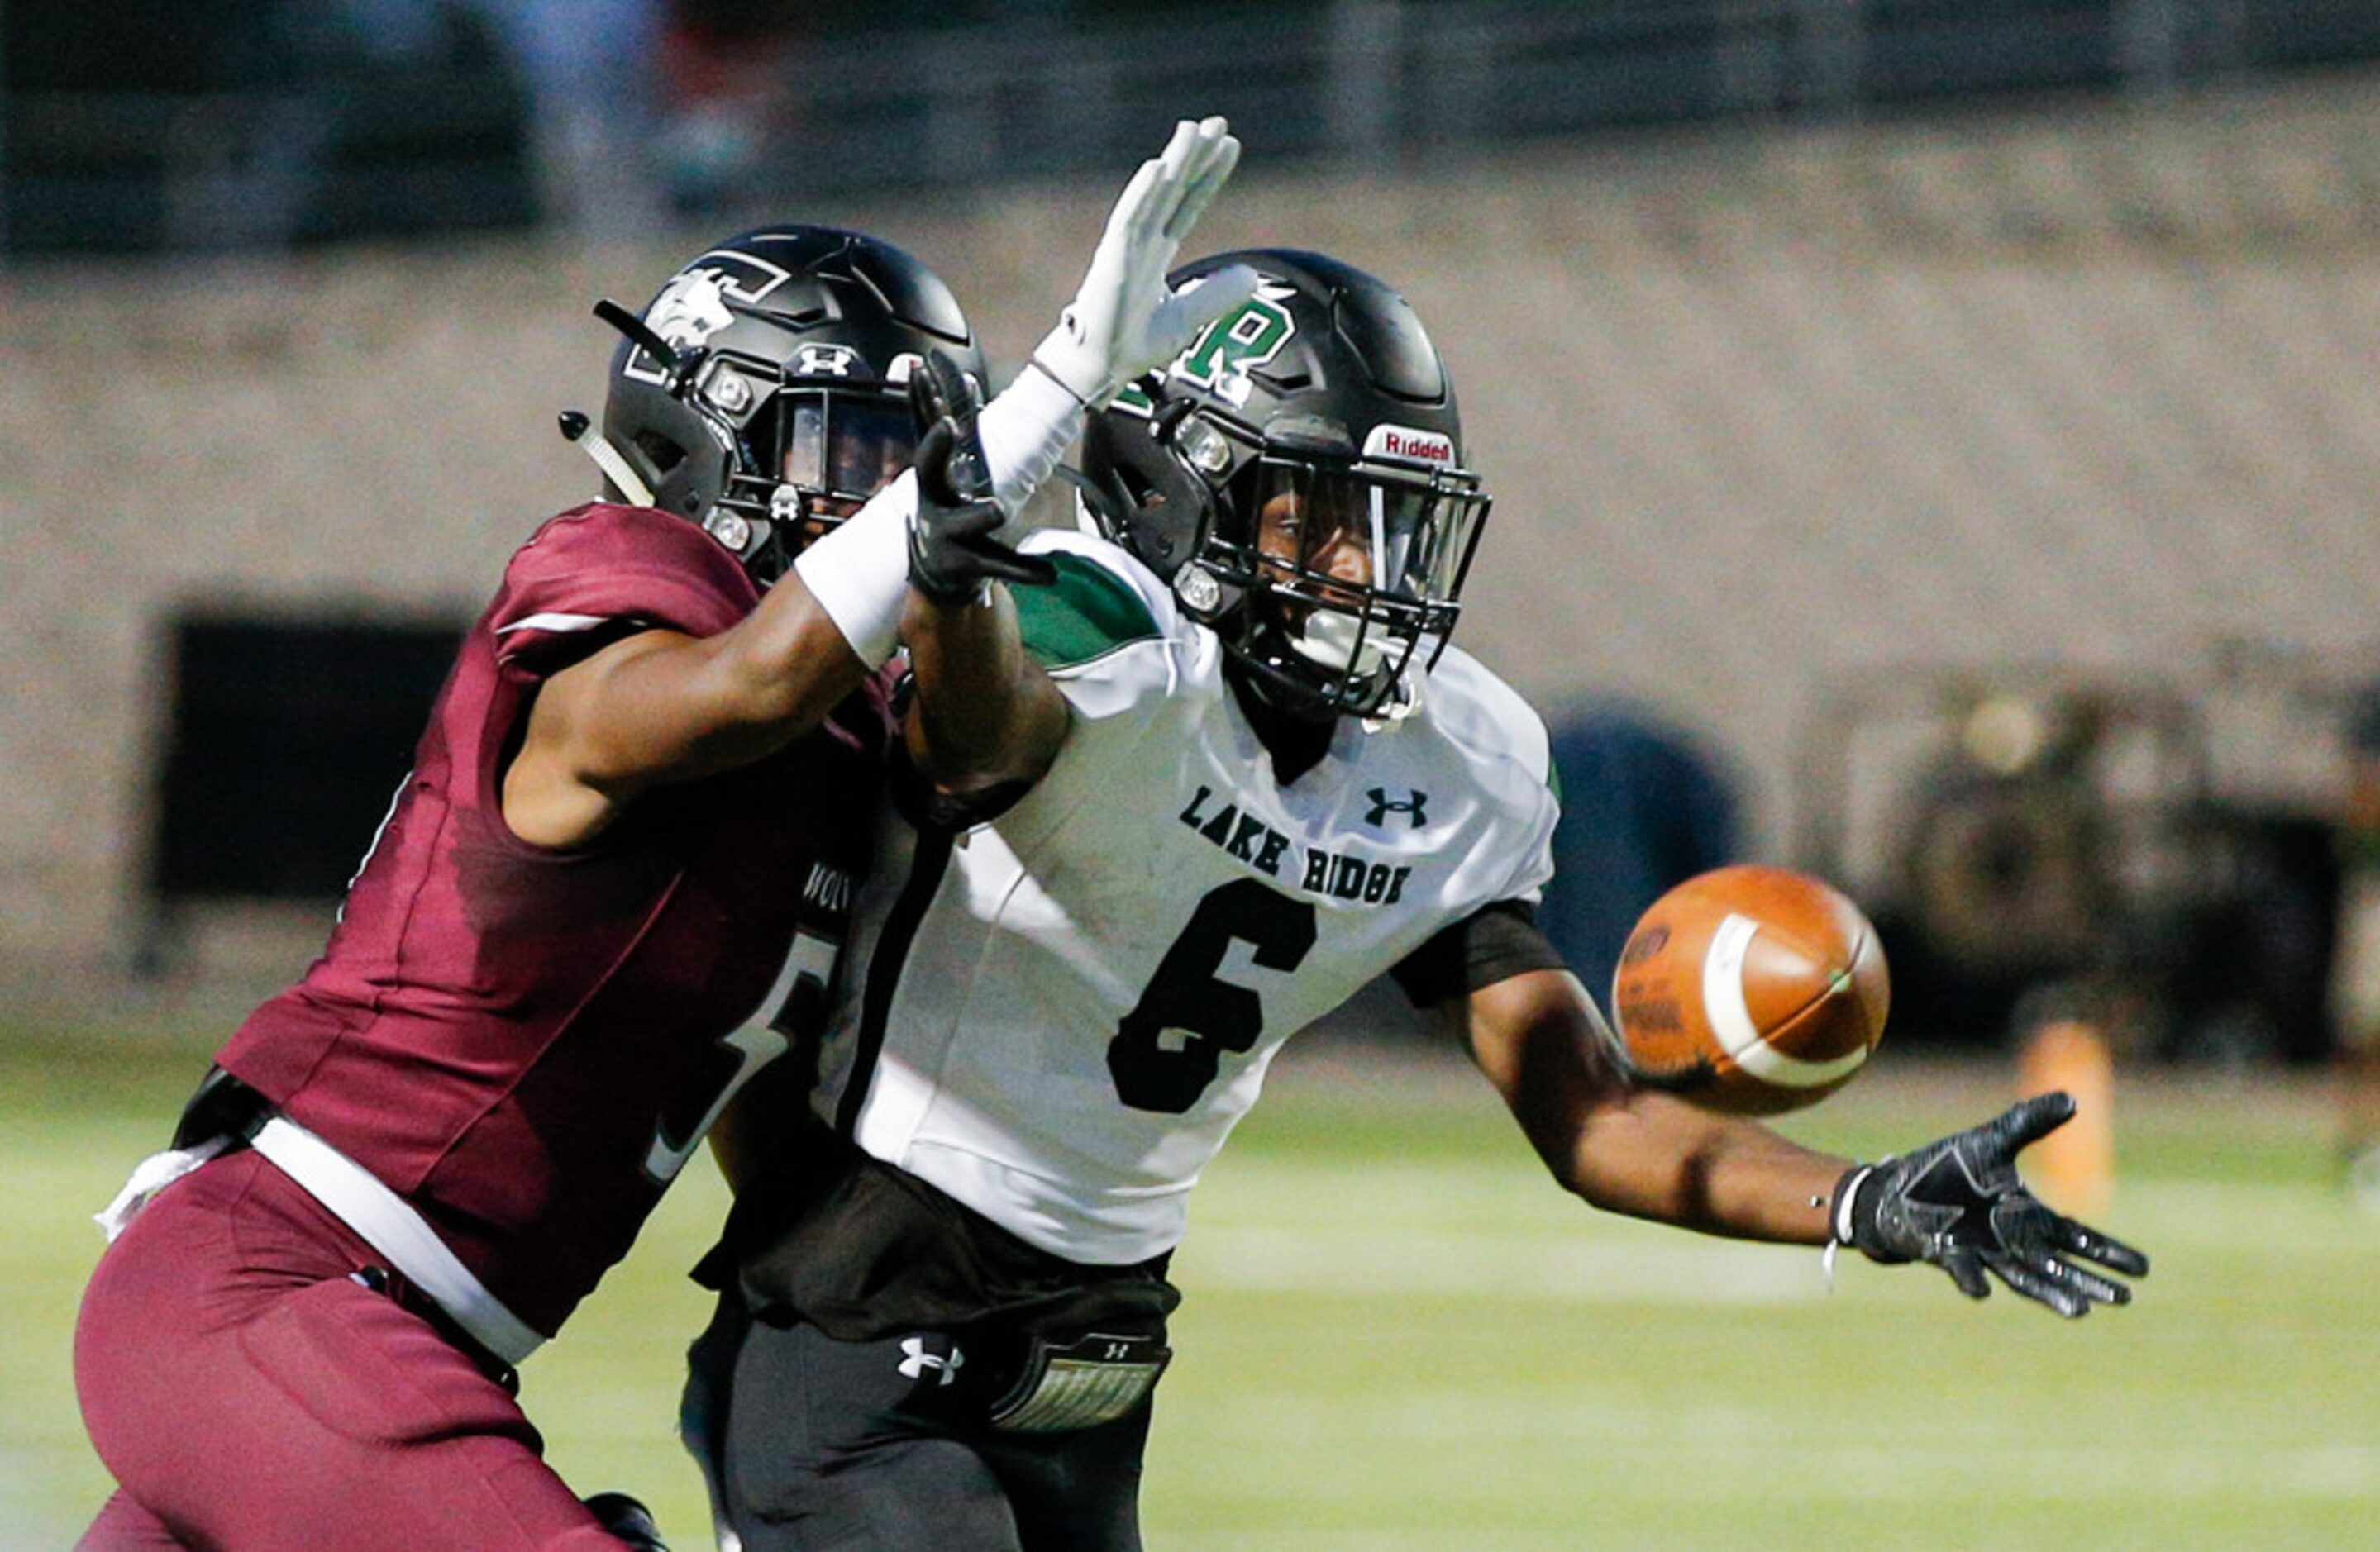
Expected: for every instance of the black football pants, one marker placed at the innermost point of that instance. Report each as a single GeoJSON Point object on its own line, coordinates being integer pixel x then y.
{"type": "Point", "coordinates": [882, 1446]}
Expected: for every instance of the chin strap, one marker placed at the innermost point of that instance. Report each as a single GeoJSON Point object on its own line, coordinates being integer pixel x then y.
{"type": "Point", "coordinates": [677, 366]}
{"type": "Point", "coordinates": [1094, 508]}
{"type": "Point", "coordinates": [678, 369]}
{"type": "Point", "coordinates": [580, 433]}
{"type": "Point", "coordinates": [1404, 699]}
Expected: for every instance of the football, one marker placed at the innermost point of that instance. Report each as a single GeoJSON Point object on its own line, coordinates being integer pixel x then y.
{"type": "Point", "coordinates": [1752, 991]}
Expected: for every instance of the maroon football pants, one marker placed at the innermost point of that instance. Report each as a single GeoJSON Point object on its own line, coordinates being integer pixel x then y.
{"type": "Point", "coordinates": [246, 1391]}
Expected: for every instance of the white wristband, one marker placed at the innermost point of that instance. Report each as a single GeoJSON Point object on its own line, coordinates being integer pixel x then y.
{"type": "Point", "coordinates": [1841, 1229]}
{"type": "Point", "coordinates": [859, 572]}
{"type": "Point", "coordinates": [1024, 430]}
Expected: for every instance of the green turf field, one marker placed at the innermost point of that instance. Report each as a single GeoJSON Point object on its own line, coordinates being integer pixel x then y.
{"type": "Point", "coordinates": [1399, 1335]}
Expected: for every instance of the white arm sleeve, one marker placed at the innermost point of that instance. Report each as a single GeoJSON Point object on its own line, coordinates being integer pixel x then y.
{"type": "Point", "coordinates": [1024, 430]}
{"type": "Point", "coordinates": [859, 572]}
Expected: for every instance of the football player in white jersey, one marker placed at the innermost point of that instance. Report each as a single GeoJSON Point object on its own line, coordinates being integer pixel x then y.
{"type": "Point", "coordinates": [1172, 808]}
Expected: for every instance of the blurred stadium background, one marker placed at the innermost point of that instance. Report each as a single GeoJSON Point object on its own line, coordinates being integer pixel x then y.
{"type": "Point", "coordinates": [1935, 445]}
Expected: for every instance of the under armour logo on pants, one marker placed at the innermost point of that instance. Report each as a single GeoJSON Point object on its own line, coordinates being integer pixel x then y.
{"type": "Point", "coordinates": [919, 1361]}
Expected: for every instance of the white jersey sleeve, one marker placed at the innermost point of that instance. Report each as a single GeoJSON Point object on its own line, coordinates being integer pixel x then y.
{"type": "Point", "coordinates": [1510, 749]}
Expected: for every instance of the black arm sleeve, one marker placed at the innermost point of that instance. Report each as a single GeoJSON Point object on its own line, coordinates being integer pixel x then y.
{"type": "Point", "coordinates": [1492, 943]}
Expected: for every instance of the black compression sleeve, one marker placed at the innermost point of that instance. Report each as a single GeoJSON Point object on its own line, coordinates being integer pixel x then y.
{"type": "Point", "coordinates": [1491, 944]}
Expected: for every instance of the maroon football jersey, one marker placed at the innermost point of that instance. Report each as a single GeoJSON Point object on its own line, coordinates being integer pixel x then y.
{"type": "Point", "coordinates": [527, 1043]}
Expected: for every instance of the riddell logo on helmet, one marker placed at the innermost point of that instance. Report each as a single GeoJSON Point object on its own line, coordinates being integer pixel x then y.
{"type": "Point", "coordinates": [1409, 443]}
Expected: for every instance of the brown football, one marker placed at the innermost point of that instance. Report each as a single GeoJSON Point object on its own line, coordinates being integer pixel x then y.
{"type": "Point", "coordinates": [1753, 991]}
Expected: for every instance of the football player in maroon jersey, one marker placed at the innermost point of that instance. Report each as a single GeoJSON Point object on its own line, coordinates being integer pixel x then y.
{"type": "Point", "coordinates": [605, 896]}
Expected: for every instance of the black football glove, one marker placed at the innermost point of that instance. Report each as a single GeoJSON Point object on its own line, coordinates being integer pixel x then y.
{"type": "Point", "coordinates": [628, 1520]}
{"type": "Point", "coordinates": [951, 553]}
{"type": "Point", "coordinates": [1959, 1204]}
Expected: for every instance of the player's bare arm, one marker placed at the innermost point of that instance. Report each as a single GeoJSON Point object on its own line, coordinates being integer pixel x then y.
{"type": "Point", "coordinates": [1628, 1149]}
{"type": "Point", "coordinates": [1958, 1203]}
{"type": "Point", "coordinates": [660, 707]}
{"type": "Point", "coordinates": [985, 716]}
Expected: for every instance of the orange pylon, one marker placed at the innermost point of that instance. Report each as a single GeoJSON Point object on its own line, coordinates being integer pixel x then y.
{"type": "Point", "coordinates": [2074, 1169]}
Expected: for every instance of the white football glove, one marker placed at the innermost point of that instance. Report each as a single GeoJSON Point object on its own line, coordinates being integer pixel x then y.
{"type": "Point", "coordinates": [1124, 321]}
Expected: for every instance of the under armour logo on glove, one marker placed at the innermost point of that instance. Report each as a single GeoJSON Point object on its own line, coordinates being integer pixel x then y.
{"type": "Point", "coordinates": [1383, 805]}
{"type": "Point", "coordinates": [919, 1361]}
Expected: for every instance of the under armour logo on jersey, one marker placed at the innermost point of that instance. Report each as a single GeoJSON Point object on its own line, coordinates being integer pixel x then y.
{"type": "Point", "coordinates": [825, 360]}
{"type": "Point", "coordinates": [919, 1361]}
{"type": "Point", "coordinates": [1383, 805]}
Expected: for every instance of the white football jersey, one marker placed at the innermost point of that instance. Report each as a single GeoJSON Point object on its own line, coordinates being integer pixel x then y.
{"type": "Point", "coordinates": [1058, 1017]}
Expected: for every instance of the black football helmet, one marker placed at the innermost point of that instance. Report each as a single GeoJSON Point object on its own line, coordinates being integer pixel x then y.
{"type": "Point", "coordinates": [763, 392]}
{"type": "Point", "coordinates": [1297, 476]}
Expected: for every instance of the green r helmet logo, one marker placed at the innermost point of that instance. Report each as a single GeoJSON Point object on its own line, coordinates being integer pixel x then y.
{"type": "Point", "coordinates": [1243, 339]}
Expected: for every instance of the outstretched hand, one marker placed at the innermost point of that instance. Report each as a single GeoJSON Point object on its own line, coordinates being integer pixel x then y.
{"type": "Point", "coordinates": [1960, 1204]}
{"type": "Point", "coordinates": [952, 553]}
{"type": "Point", "coordinates": [1124, 320]}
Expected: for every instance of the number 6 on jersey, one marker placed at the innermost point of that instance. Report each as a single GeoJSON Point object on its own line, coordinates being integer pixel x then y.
{"type": "Point", "coordinates": [1169, 1047]}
